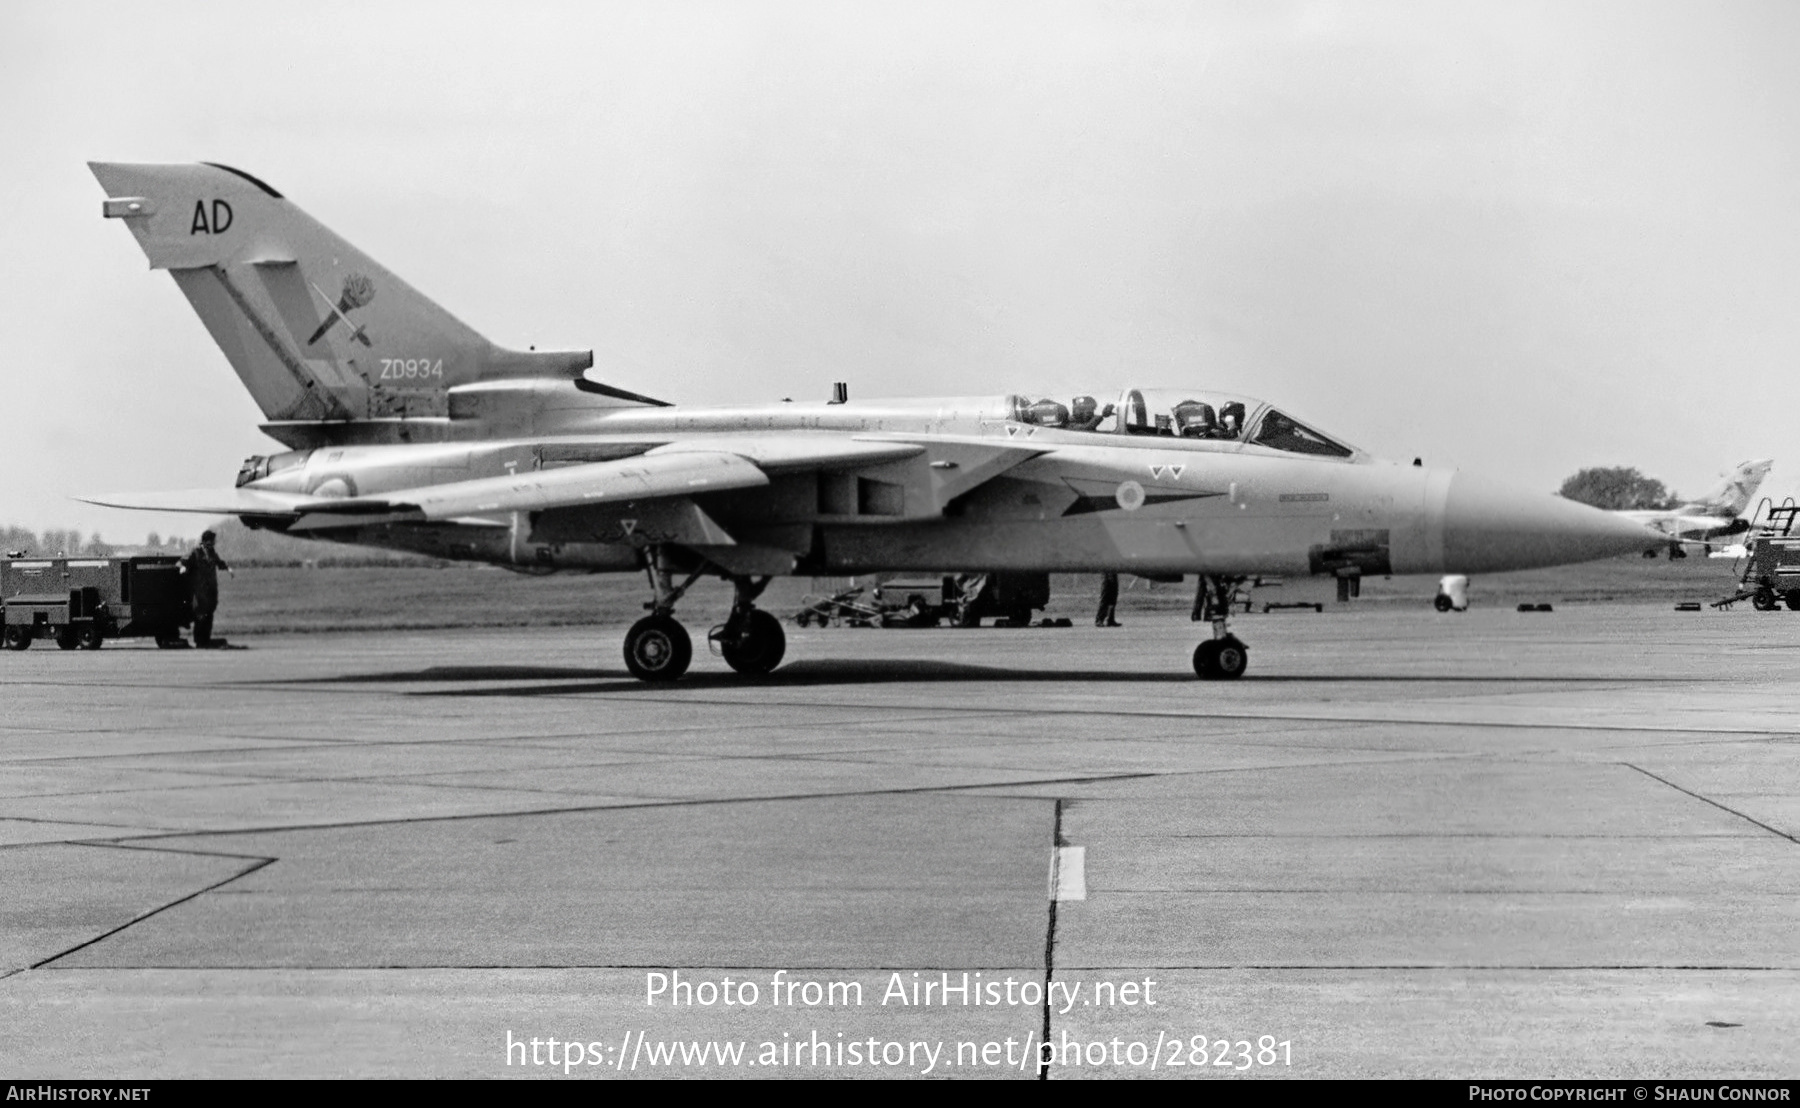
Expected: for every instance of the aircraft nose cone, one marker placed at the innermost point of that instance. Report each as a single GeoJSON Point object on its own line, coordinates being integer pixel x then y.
{"type": "Point", "coordinates": [1490, 527]}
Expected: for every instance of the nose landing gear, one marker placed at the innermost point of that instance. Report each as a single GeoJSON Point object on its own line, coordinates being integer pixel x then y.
{"type": "Point", "coordinates": [1224, 656]}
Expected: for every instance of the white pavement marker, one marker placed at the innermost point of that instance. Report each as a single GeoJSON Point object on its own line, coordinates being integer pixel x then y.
{"type": "Point", "coordinates": [1068, 873]}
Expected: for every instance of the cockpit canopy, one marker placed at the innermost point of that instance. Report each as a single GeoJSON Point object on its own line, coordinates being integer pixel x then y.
{"type": "Point", "coordinates": [1180, 413]}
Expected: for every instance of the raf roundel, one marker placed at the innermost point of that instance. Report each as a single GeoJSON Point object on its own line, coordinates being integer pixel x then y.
{"type": "Point", "coordinates": [1130, 495]}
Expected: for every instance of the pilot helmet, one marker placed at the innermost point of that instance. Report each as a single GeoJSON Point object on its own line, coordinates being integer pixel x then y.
{"type": "Point", "coordinates": [1194, 419]}
{"type": "Point", "coordinates": [1048, 413]}
{"type": "Point", "coordinates": [1083, 409]}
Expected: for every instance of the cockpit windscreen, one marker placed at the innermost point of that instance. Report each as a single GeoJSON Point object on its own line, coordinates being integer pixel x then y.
{"type": "Point", "coordinates": [1286, 433]}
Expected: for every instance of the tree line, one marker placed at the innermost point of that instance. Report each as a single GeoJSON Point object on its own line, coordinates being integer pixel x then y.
{"type": "Point", "coordinates": [240, 545]}
{"type": "Point", "coordinates": [1618, 489]}
{"type": "Point", "coordinates": [73, 544]}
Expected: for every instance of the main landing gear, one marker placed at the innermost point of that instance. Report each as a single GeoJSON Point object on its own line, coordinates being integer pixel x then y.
{"type": "Point", "coordinates": [657, 648]}
{"type": "Point", "coordinates": [751, 640]}
{"type": "Point", "coordinates": [1224, 656]}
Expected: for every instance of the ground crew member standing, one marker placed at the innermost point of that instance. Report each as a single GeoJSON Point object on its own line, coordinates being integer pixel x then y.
{"type": "Point", "coordinates": [1109, 599]}
{"type": "Point", "coordinates": [202, 566]}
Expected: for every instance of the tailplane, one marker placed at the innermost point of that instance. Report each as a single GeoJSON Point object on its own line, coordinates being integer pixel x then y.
{"type": "Point", "coordinates": [320, 333]}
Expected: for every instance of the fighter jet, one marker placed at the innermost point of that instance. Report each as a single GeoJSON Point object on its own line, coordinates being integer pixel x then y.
{"type": "Point", "coordinates": [407, 429]}
{"type": "Point", "coordinates": [1717, 514]}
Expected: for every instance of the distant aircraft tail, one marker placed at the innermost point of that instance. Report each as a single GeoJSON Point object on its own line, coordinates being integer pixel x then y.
{"type": "Point", "coordinates": [1732, 494]}
{"type": "Point", "coordinates": [320, 333]}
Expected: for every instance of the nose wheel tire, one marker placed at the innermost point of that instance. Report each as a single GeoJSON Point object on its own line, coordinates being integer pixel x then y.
{"type": "Point", "coordinates": [759, 647]}
{"type": "Point", "coordinates": [1221, 659]}
{"type": "Point", "coordinates": [657, 649]}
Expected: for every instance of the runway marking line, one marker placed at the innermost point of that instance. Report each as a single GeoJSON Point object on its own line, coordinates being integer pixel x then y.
{"type": "Point", "coordinates": [1057, 846]}
{"type": "Point", "coordinates": [636, 805]}
{"type": "Point", "coordinates": [1709, 800]}
{"type": "Point", "coordinates": [257, 863]}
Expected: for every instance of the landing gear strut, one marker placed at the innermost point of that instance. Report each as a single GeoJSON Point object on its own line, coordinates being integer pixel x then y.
{"type": "Point", "coordinates": [657, 648]}
{"type": "Point", "coordinates": [751, 640]}
{"type": "Point", "coordinates": [1224, 656]}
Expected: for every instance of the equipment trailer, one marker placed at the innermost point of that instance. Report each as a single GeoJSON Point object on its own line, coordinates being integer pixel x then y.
{"type": "Point", "coordinates": [959, 600]}
{"type": "Point", "coordinates": [1772, 562]}
{"type": "Point", "coordinates": [85, 601]}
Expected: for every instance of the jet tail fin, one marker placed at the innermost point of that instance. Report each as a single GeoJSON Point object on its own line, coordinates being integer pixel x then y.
{"type": "Point", "coordinates": [1732, 494]}
{"type": "Point", "coordinates": [316, 329]}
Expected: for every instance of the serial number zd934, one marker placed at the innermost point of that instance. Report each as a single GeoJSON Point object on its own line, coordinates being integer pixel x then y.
{"type": "Point", "coordinates": [410, 369]}
{"type": "Point", "coordinates": [1239, 1055]}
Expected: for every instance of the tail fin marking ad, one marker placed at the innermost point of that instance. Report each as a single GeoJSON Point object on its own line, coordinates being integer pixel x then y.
{"type": "Point", "coordinates": [315, 329]}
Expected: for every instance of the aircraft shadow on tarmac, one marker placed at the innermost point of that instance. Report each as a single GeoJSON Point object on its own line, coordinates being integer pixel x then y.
{"type": "Point", "coordinates": [451, 673]}
{"type": "Point", "coordinates": [870, 671]}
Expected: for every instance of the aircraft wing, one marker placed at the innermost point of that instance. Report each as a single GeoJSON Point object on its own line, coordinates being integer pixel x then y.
{"type": "Point", "coordinates": [645, 477]}
{"type": "Point", "coordinates": [1668, 521]}
{"type": "Point", "coordinates": [217, 502]}
{"type": "Point", "coordinates": [688, 467]}
{"type": "Point", "coordinates": [684, 468]}
{"type": "Point", "coordinates": [682, 473]}
{"type": "Point", "coordinates": [1698, 528]}
{"type": "Point", "coordinates": [789, 451]}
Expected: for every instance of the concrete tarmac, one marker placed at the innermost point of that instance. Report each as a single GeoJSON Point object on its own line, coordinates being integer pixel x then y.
{"type": "Point", "coordinates": [1405, 845]}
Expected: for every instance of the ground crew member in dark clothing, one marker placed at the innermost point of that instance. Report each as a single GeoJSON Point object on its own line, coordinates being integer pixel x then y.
{"type": "Point", "coordinates": [1109, 599]}
{"type": "Point", "coordinates": [202, 567]}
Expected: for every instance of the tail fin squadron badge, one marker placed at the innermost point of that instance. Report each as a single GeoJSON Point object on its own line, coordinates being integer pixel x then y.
{"type": "Point", "coordinates": [358, 290]}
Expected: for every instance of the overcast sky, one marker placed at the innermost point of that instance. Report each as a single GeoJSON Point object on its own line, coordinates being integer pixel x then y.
{"type": "Point", "coordinates": [1515, 238]}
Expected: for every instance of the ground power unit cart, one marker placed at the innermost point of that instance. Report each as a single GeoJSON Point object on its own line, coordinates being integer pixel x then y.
{"type": "Point", "coordinates": [82, 602]}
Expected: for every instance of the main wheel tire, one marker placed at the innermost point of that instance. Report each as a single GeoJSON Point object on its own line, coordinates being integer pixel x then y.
{"type": "Point", "coordinates": [90, 637]}
{"type": "Point", "coordinates": [1792, 599]}
{"type": "Point", "coordinates": [1232, 659]}
{"type": "Point", "coordinates": [1763, 600]}
{"type": "Point", "coordinates": [1221, 659]}
{"type": "Point", "coordinates": [758, 649]}
{"type": "Point", "coordinates": [658, 649]}
{"type": "Point", "coordinates": [1206, 658]}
